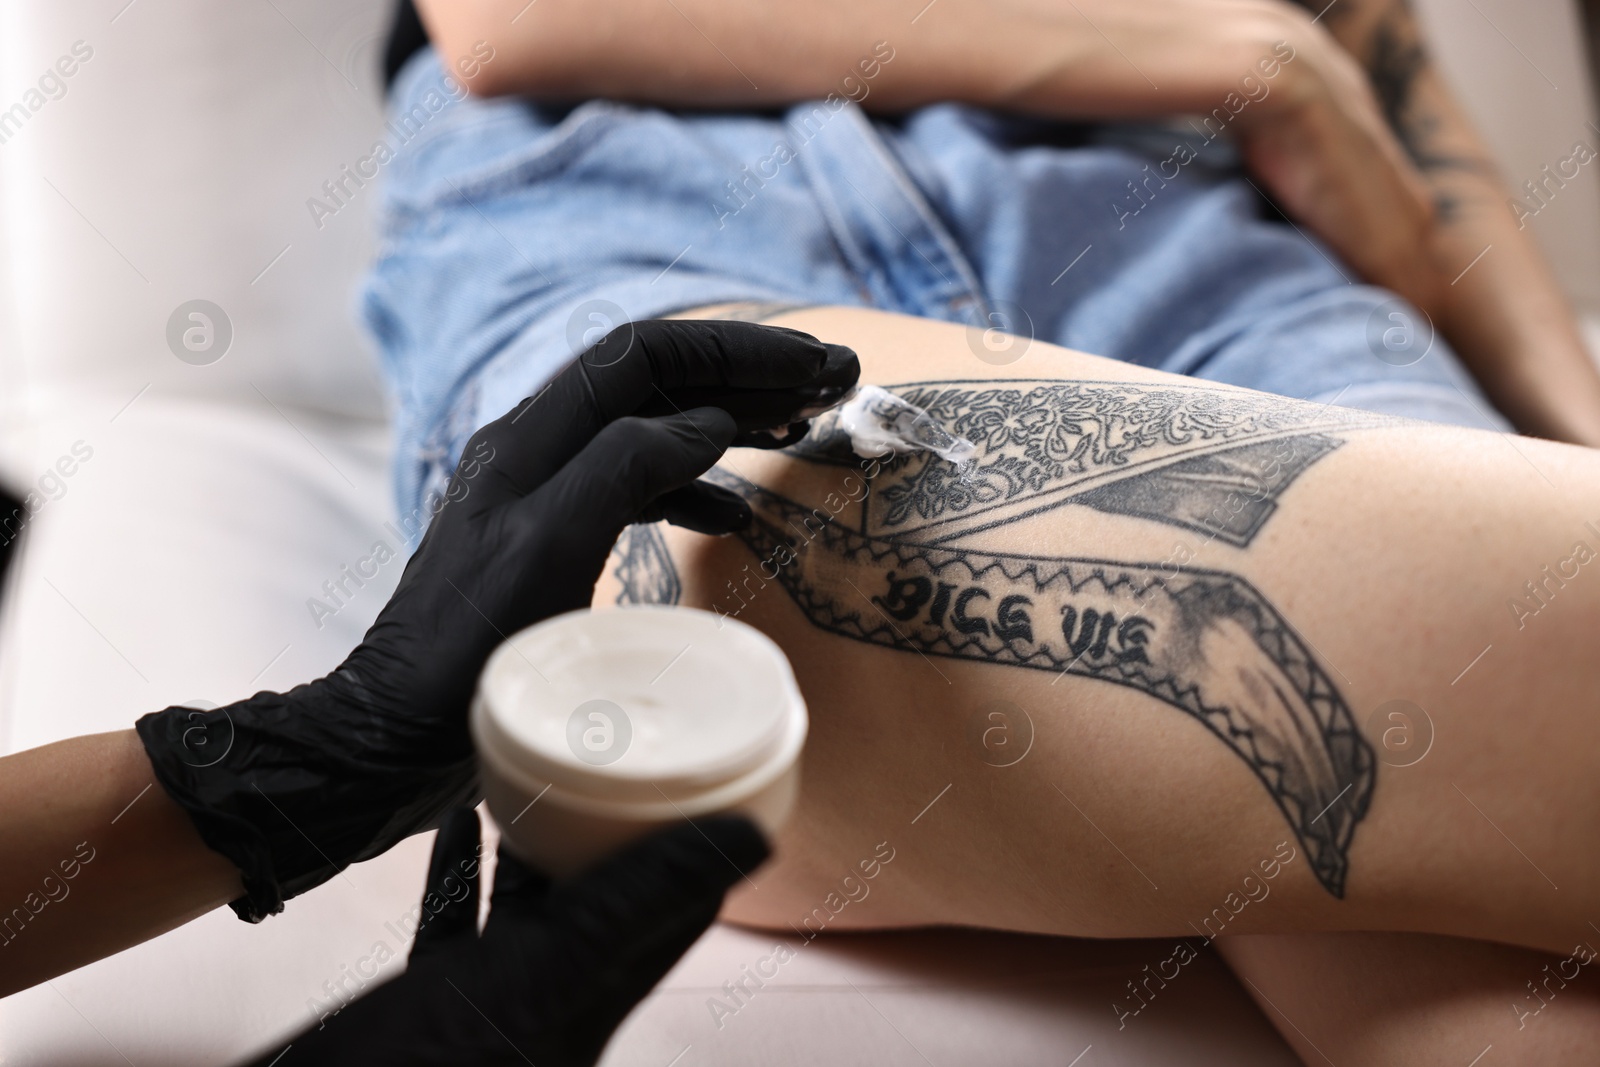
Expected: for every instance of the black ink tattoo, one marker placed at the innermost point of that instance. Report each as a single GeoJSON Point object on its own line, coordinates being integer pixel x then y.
{"type": "Point", "coordinates": [1395, 59]}
{"type": "Point", "coordinates": [1205, 642]}
{"type": "Point", "coordinates": [1228, 495]}
{"type": "Point", "coordinates": [1332, 10]}
{"type": "Point", "coordinates": [645, 568]}
{"type": "Point", "coordinates": [1207, 459]}
{"type": "Point", "coordinates": [1394, 62]}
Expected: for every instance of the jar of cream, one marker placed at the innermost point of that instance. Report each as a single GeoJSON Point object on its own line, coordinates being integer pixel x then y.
{"type": "Point", "coordinates": [596, 728]}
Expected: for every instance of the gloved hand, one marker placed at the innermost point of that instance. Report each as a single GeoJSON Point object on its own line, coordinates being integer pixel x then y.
{"type": "Point", "coordinates": [294, 787]}
{"type": "Point", "coordinates": [557, 968]}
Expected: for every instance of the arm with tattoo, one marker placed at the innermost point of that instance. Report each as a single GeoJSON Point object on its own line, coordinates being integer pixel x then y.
{"type": "Point", "coordinates": [1498, 301]}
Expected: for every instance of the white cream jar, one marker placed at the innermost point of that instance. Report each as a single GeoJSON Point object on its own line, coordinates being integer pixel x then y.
{"type": "Point", "coordinates": [595, 728]}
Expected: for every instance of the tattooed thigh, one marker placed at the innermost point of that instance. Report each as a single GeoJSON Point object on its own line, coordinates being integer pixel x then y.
{"type": "Point", "coordinates": [902, 556]}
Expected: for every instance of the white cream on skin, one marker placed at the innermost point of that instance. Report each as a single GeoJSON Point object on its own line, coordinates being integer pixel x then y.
{"type": "Point", "coordinates": [879, 422]}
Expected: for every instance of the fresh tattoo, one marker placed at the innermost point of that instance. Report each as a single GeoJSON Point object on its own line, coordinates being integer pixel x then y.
{"type": "Point", "coordinates": [1204, 642]}
{"type": "Point", "coordinates": [1206, 459]}
{"type": "Point", "coordinates": [644, 567]}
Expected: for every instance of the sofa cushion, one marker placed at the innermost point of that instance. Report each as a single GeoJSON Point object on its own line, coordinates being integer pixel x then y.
{"type": "Point", "coordinates": [175, 164]}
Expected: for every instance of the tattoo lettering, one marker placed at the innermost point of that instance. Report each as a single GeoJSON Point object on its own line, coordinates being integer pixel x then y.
{"type": "Point", "coordinates": [1204, 642]}
{"type": "Point", "coordinates": [645, 568]}
{"type": "Point", "coordinates": [1184, 456]}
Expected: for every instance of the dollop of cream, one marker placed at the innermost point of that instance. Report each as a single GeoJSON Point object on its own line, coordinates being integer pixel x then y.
{"type": "Point", "coordinates": [879, 422]}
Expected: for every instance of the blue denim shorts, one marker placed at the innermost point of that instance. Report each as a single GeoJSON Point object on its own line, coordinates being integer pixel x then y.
{"type": "Point", "coordinates": [513, 233]}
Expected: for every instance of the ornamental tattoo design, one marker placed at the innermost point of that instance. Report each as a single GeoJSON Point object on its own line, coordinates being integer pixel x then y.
{"type": "Point", "coordinates": [1165, 453]}
{"type": "Point", "coordinates": [644, 567]}
{"type": "Point", "coordinates": [911, 575]}
{"type": "Point", "coordinates": [1204, 642]}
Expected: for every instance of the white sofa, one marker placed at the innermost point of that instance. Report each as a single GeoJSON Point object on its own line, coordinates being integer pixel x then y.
{"type": "Point", "coordinates": [175, 563]}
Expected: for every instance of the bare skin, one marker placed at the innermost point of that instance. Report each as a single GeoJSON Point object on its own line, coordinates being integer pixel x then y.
{"type": "Point", "coordinates": [1417, 999]}
{"type": "Point", "coordinates": [98, 857]}
{"type": "Point", "coordinates": [1359, 140]}
{"type": "Point", "coordinates": [1386, 170]}
{"type": "Point", "coordinates": [1506, 315]}
{"type": "Point", "coordinates": [1394, 556]}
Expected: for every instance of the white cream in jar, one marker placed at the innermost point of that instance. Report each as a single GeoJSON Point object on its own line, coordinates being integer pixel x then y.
{"type": "Point", "coordinates": [595, 728]}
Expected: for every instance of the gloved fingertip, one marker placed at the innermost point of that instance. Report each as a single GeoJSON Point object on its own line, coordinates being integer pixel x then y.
{"type": "Point", "coordinates": [806, 339]}
{"type": "Point", "coordinates": [515, 880]}
{"type": "Point", "coordinates": [459, 833]}
{"type": "Point", "coordinates": [841, 371]}
{"type": "Point", "coordinates": [701, 507]}
{"type": "Point", "coordinates": [449, 908]}
{"type": "Point", "coordinates": [713, 424]}
{"type": "Point", "coordinates": [714, 517]}
{"type": "Point", "coordinates": [461, 823]}
{"type": "Point", "coordinates": [780, 437]}
{"type": "Point", "coordinates": [738, 840]}
{"type": "Point", "coordinates": [739, 518]}
{"type": "Point", "coordinates": [843, 366]}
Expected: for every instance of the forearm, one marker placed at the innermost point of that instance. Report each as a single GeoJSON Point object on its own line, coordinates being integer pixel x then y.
{"type": "Point", "coordinates": [1508, 319]}
{"type": "Point", "coordinates": [1495, 298]}
{"type": "Point", "coordinates": [1504, 311]}
{"type": "Point", "coordinates": [97, 858]}
{"type": "Point", "coordinates": [1201, 647]}
{"type": "Point", "coordinates": [1089, 59]}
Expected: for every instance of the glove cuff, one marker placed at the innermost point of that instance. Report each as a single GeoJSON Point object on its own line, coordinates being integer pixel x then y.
{"type": "Point", "coordinates": [223, 831]}
{"type": "Point", "coordinates": [294, 787]}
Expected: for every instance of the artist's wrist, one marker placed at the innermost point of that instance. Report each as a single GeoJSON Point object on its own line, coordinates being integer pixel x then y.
{"type": "Point", "coordinates": [294, 787]}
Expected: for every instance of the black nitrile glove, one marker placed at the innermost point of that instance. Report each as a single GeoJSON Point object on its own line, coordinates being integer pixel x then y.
{"type": "Point", "coordinates": [557, 968]}
{"type": "Point", "coordinates": [13, 517]}
{"type": "Point", "coordinates": [293, 787]}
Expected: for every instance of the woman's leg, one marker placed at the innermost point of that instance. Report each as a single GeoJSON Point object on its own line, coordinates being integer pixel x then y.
{"type": "Point", "coordinates": [1196, 606]}
{"type": "Point", "coordinates": [1415, 1000]}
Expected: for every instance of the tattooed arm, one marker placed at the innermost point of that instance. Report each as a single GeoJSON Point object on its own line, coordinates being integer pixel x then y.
{"type": "Point", "coordinates": [1506, 315]}
{"type": "Point", "coordinates": [1187, 611]}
